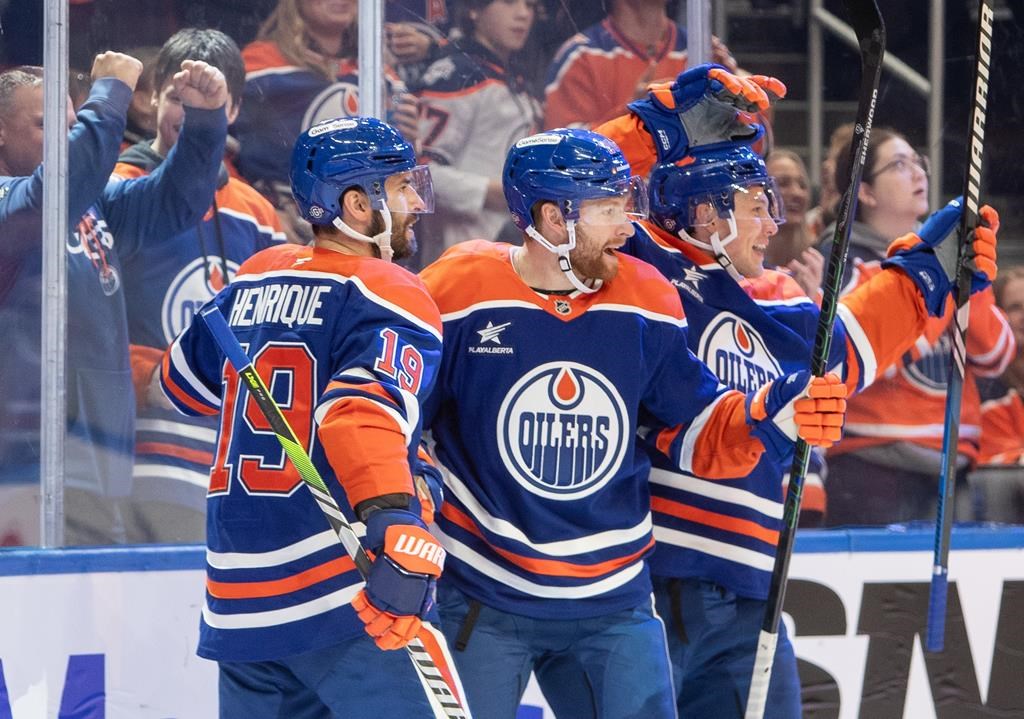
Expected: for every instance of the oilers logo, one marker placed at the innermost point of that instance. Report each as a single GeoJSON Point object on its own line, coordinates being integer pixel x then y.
{"type": "Point", "coordinates": [737, 354]}
{"type": "Point", "coordinates": [191, 288]}
{"type": "Point", "coordinates": [339, 100]}
{"type": "Point", "coordinates": [563, 431]}
{"type": "Point", "coordinates": [930, 373]}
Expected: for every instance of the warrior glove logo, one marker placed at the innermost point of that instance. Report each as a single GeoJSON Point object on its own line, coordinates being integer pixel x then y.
{"type": "Point", "coordinates": [563, 431]}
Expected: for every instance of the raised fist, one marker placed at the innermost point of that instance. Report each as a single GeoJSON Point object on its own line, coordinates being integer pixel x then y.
{"type": "Point", "coordinates": [201, 85]}
{"type": "Point", "coordinates": [117, 65]}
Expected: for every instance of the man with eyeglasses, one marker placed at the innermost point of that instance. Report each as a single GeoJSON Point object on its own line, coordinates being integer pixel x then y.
{"type": "Point", "coordinates": [887, 468]}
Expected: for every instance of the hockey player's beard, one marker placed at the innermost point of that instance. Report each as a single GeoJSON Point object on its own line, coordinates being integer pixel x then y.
{"type": "Point", "coordinates": [403, 239]}
{"type": "Point", "coordinates": [589, 259]}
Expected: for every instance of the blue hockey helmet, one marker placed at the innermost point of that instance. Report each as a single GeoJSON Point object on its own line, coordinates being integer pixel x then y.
{"type": "Point", "coordinates": [336, 155]}
{"type": "Point", "coordinates": [567, 166]}
{"type": "Point", "coordinates": [714, 176]}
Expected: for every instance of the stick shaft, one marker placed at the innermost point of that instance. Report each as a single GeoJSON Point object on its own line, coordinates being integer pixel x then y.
{"type": "Point", "coordinates": [870, 30]}
{"type": "Point", "coordinates": [936, 626]}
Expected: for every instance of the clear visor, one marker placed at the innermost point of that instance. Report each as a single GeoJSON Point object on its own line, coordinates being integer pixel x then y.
{"type": "Point", "coordinates": [629, 206]}
{"type": "Point", "coordinates": [756, 201]}
{"type": "Point", "coordinates": [411, 192]}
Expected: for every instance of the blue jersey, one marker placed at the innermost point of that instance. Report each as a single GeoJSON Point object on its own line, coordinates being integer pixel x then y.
{"type": "Point", "coordinates": [749, 333]}
{"type": "Point", "coordinates": [105, 221]}
{"type": "Point", "coordinates": [547, 510]}
{"type": "Point", "coordinates": [165, 284]}
{"type": "Point", "coordinates": [348, 346]}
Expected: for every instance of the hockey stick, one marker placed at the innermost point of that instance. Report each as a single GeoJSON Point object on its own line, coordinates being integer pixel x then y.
{"type": "Point", "coordinates": [430, 675]}
{"type": "Point", "coordinates": [870, 30]}
{"type": "Point", "coordinates": [936, 628]}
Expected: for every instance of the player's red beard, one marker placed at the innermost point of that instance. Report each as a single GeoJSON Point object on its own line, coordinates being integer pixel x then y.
{"type": "Point", "coordinates": [403, 240]}
{"type": "Point", "coordinates": [589, 259]}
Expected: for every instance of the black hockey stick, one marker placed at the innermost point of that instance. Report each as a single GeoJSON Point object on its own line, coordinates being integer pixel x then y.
{"type": "Point", "coordinates": [936, 629]}
{"type": "Point", "coordinates": [870, 30]}
{"type": "Point", "coordinates": [430, 675]}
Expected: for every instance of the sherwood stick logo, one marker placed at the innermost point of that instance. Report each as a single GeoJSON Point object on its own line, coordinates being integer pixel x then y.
{"type": "Point", "coordinates": [980, 107]}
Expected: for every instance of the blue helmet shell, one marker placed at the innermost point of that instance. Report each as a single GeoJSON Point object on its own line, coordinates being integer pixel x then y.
{"type": "Point", "coordinates": [335, 155]}
{"type": "Point", "coordinates": [565, 166]}
{"type": "Point", "coordinates": [714, 176]}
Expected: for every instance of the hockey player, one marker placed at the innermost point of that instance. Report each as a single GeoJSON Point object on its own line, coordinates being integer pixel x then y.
{"type": "Point", "coordinates": [713, 215]}
{"type": "Point", "coordinates": [349, 345]}
{"type": "Point", "coordinates": [165, 284]}
{"type": "Point", "coordinates": [555, 353]}
{"type": "Point", "coordinates": [105, 221]}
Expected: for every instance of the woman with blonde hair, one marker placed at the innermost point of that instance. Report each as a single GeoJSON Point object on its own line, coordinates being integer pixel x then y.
{"type": "Point", "coordinates": [301, 69]}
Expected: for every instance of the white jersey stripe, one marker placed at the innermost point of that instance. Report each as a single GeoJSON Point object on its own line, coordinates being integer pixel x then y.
{"type": "Point", "coordinates": [274, 617]}
{"type": "Point", "coordinates": [693, 433]}
{"type": "Point", "coordinates": [563, 548]}
{"type": "Point", "coordinates": [714, 548]}
{"type": "Point", "coordinates": [178, 360]}
{"type": "Point", "coordinates": [720, 492]}
{"type": "Point", "coordinates": [179, 429]}
{"type": "Point", "coordinates": [499, 574]}
{"type": "Point", "coordinates": [277, 557]}
{"type": "Point", "coordinates": [170, 472]}
{"type": "Point", "coordinates": [967, 431]}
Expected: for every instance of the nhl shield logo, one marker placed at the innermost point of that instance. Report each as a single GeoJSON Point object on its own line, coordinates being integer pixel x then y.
{"type": "Point", "coordinates": [563, 307]}
{"type": "Point", "coordinates": [563, 431]}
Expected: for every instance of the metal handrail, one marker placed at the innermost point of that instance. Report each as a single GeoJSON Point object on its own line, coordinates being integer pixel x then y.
{"type": "Point", "coordinates": [930, 87]}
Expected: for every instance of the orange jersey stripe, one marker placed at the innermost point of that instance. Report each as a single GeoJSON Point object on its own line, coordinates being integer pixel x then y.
{"type": "Point", "coordinates": [173, 450]}
{"type": "Point", "coordinates": [277, 587]}
{"type": "Point", "coordinates": [179, 393]}
{"type": "Point", "coordinates": [550, 567]}
{"type": "Point", "coordinates": [715, 519]}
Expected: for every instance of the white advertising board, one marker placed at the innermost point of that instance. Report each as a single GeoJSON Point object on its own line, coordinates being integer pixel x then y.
{"type": "Point", "coordinates": [111, 634]}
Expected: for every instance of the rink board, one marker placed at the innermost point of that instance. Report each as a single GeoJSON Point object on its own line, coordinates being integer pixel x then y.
{"type": "Point", "coordinates": [111, 633]}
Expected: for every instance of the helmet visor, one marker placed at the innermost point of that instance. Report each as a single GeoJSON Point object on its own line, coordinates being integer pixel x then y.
{"type": "Point", "coordinates": [627, 206]}
{"type": "Point", "coordinates": [410, 191]}
{"type": "Point", "coordinates": [760, 200]}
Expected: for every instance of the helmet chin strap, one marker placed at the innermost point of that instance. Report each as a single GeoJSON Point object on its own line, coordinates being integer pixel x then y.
{"type": "Point", "coordinates": [382, 239]}
{"type": "Point", "coordinates": [716, 246]}
{"type": "Point", "coordinates": [563, 256]}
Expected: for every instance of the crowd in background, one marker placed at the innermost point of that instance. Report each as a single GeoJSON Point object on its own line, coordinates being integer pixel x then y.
{"type": "Point", "coordinates": [464, 80]}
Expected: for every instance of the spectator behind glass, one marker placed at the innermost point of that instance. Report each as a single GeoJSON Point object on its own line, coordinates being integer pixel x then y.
{"type": "Point", "coordinates": [597, 71]}
{"type": "Point", "coordinates": [105, 220]}
{"type": "Point", "coordinates": [886, 468]}
{"type": "Point", "coordinates": [998, 483]}
{"type": "Point", "coordinates": [142, 110]}
{"type": "Point", "coordinates": [303, 68]}
{"type": "Point", "coordinates": [165, 283]}
{"type": "Point", "coordinates": [414, 31]}
{"type": "Point", "coordinates": [792, 248]}
{"type": "Point", "coordinates": [824, 213]}
{"type": "Point", "coordinates": [475, 105]}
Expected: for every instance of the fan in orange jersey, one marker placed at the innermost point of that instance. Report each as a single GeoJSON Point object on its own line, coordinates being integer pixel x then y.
{"type": "Point", "coordinates": [887, 469]}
